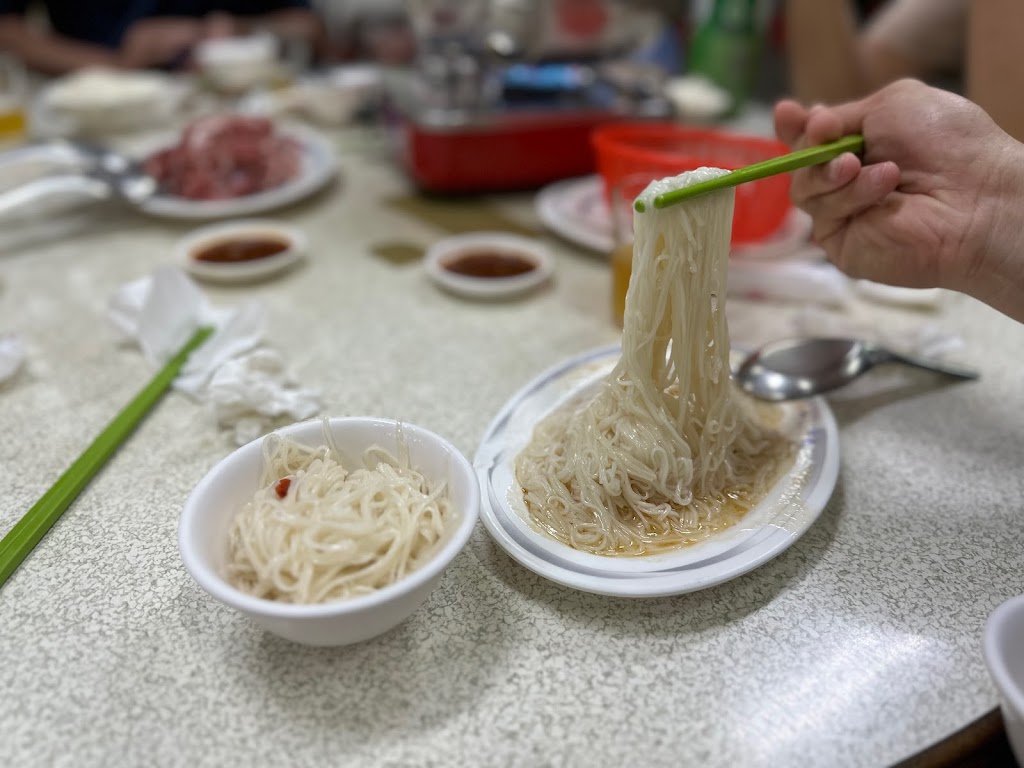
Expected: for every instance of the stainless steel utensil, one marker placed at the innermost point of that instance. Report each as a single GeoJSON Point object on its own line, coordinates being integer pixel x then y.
{"type": "Point", "coordinates": [86, 173]}
{"type": "Point", "coordinates": [797, 368]}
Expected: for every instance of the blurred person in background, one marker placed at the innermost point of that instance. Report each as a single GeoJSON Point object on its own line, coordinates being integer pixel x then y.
{"type": "Point", "coordinates": [57, 36]}
{"type": "Point", "coordinates": [386, 30]}
{"type": "Point", "coordinates": [373, 30]}
{"type": "Point", "coordinates": [965, 45]}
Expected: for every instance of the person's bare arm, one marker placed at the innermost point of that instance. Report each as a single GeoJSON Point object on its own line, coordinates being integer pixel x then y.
{"type": "Point", "coordinates": [821, 39]}
{"type": "Point", "coordinates": [288, 23]}
{"type": "Point", "coordinates": [831, 59]}
{"type": "Point", "coordinates": [298, 23]}
{"type": "Point", "coordinates": [995, 77]}
{"type": "Point", "coordinates": [50, 53]}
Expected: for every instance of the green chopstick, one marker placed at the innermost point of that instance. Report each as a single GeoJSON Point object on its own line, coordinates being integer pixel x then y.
{"type": "Point", "coordinates": [23, 537]}
{"type": "Point", "coordinates": [784, 164]}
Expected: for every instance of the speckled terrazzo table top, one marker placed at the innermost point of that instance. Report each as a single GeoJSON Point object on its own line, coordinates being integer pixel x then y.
{"type": "Point", "coordinates": [858, 646]}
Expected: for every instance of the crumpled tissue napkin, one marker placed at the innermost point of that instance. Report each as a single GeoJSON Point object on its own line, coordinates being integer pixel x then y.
{"type": "Point", "coordinates": [246, 385]}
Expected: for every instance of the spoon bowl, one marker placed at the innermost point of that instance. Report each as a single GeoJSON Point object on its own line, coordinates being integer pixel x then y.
{"type": "Point", "coordinates": [799, 368]}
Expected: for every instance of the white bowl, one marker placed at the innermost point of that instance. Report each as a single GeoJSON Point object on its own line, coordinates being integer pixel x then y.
{"type": "Point", "coordinates": [241, 271]}
{"type": "Point", "coordinates": [98, 101]}
{"type": "Point", "coordinates": [205, 522]}
{"type": "Point", "coordinates": [1004, 655]}
{"type": "Point", "coordinates": [697, 99]}
{"type": "Point", "coordinates": [337, 96]}
{"type": "Point", "coordinates": [488, 287]}
{"type": "Point", "coordinates": [238, 63]}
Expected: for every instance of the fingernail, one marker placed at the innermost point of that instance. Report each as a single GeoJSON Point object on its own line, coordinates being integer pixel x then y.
{"type": "Point", "coordinates": [834, 169]}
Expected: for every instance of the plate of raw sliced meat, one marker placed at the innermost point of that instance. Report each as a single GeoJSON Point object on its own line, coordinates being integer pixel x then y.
{"type": "Point", "coordinates": [235, 165]}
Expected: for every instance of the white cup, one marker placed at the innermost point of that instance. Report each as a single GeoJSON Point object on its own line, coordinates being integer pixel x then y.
{"type": "Point", "coordinates": [1004, 655]}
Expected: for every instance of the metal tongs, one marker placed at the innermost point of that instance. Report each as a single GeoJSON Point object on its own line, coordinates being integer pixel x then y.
{"type": "Point", "coordinates": [76, 173]}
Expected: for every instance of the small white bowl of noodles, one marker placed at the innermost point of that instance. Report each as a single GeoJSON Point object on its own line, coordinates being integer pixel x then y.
{"type": "Point", "coordinates": [371, 536]}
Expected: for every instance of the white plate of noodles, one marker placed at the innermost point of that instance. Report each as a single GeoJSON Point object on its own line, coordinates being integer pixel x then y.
{"type": "Point", "coordinates": [643, 471]}
{"type": "Point", "coordinates": [794, 502]}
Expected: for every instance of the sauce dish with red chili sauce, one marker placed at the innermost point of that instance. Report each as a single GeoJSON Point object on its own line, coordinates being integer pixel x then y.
{"type": "Point", "coordinates": [241, 251]}
{"type": "Point", "coordinates": [488, 265]}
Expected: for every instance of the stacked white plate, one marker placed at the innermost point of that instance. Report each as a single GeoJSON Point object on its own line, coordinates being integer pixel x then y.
{"type": "Point", "coordinates": [788, 510]}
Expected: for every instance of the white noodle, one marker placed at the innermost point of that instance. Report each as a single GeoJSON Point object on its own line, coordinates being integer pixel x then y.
{"type": "Point", "coordinates": [667, 452]}
{"type": "Point", "coordinates": [335, 533]}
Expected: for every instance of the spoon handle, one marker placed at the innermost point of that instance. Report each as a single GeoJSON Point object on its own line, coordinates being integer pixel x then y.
{"type": "Point", "coordinates": [948, 369]}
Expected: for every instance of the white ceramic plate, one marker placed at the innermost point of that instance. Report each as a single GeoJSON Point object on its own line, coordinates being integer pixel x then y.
{"type": "Point", "coordinates": [488, 287]}
{"type": "Point", "coordinates": [243, 271]}
{"type": "Point", "coordinates": [317, 166]}
{"type": "Point", "coordinates": [575, 210]}
{"type": "Point", "coordinates": [792, 505]}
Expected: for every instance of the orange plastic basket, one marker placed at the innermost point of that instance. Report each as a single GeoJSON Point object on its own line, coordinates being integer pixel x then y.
{"type": "Point", "coordinates": [668, 149]}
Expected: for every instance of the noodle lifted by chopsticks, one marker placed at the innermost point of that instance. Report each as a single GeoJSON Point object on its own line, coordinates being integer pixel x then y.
{"type": "Point", "coordinates": [667, 452]}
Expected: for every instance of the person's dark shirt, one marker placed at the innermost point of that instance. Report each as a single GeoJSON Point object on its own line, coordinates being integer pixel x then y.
{"type": "Point", "coordinates": [104, 21]}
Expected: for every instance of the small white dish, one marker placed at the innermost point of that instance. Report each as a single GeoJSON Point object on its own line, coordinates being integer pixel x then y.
{"type": "Point", "coordinates": [317, 167]}
{"type": "Point", "coordinates": [1004, 656]}
{"type": "Point", "coordinates": [331, 98]}
{"type": "Point", "coordinates": [444, 253]}
{"type": "Point", "coordinates": [240, 271]}
{"type": "Point", "coordinates": [696, 99]}
{"type": "Point", "coordinates": [789, 509]}
{"type": "Point", "coordinates": [335, 97]}
{"type": "Point", "coordinates": [206, 519]}
{"type": "Point", "coordinates": [363, 79]}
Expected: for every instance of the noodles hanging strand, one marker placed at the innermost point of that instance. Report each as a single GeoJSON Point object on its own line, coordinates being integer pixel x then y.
{"type": "Point", "coordinates": [667, 452]}
{"type": "Point", "coordinates": [317, 532]}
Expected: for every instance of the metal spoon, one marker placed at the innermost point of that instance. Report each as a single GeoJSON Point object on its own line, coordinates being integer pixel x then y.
{"type": "Point", "coordinates": [796, 368]}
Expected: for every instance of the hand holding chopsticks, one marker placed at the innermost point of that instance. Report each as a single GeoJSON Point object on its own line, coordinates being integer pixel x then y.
{"type": "Point", "coordinates": [784, 164]}
{"type": "Point", "coordinates": [22, 538]}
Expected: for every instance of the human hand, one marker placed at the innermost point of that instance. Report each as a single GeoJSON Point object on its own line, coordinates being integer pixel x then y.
{"type": "Point", "coordinates": [934, 201]}
{"type": "Point", "coordinates": [158, 41]}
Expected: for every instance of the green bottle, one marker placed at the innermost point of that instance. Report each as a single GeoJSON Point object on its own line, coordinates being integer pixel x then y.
{"type": "Point", "coordinates": [726, 47]}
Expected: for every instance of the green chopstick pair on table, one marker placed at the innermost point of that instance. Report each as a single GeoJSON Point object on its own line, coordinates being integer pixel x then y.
{"type": "Point", "coordinates": [26, 533]}
{"type": "Point", "coordinates": [802, 158]}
